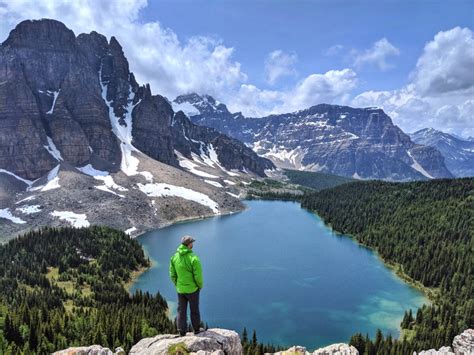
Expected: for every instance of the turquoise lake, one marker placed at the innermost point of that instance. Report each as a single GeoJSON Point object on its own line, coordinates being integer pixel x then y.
{"type": "Point", "coordinates": [279, 269]}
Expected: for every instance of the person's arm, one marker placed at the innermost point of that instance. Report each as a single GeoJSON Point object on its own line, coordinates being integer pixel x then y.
{"type": "Point", "coordinates": [197, 271]}
{"type": "Point", "coordinates": [173, 274]}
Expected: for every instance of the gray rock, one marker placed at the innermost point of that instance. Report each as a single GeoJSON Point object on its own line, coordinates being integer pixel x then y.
{"type": "Point", "coordinates": [334, 349]}
{"type": "Point", "coordinates": [337, 349]}
{"type": "Point", "coordinates": [445, 350]}
{"type": "Point", "coordinates": [50, 91]}
{"type": "Point", "coordinates": [213, 341]}
{"type": "Point", "coordinates": [87, 350]}
{"type": "Point", "coordinates": [464, 342]}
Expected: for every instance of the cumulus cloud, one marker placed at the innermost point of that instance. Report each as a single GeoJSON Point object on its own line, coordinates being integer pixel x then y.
{"type": "Point", "coordinates": [279, 64]}
{"type": "Point", "coordinates": [441, 87]}
{"type": "Point", "coordinates": [376, 55]}
{"type": "Point", "coordinates": [447, 63]}
{"type": "Point", "coordinates": [334, 86]}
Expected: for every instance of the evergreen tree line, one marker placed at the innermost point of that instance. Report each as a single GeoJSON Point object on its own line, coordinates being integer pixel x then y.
{"type": "Point", "coordinates": [315, 180]}
{"type": "Point", "coordinates": [426, 229]}
{"type": "Point", "coordinates": [86, 304]}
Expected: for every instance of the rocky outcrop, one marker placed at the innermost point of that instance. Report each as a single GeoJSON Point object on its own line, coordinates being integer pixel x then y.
{"type": "Point", "coordinates": [213, 341]}
{"type": "Point", "coordinates": [90, 350]}
{"type": "Point", "coordinates": [334, 349]}
{"type": "Point", "coordinates": [463, 344]}
{"type": "Point", "coordinates": [356, 142]}
{"type": "Point", "coordinates": [76, 96]}
{"type": "Point", "coordinates": [227, 342]}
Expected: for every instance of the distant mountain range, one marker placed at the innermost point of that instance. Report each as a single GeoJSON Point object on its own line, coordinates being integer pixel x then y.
{"type": "Point", "coordinates": [354, 142]}
{"type": "Point", "coordinates": [458, 152]}
{"type": "Point", "coordinates": [77, 130]}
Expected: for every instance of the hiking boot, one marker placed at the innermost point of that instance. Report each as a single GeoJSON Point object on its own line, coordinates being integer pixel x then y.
{"type": "Point", "coordinates": [200, 330]}
{"type": "Point", "coordinates": [182, 334]}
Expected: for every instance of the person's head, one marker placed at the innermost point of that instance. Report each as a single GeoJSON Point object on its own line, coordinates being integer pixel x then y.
{"type": "Point", "coordinates": [188, 241]}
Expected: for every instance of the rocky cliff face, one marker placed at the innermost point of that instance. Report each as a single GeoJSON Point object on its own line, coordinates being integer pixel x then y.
{"type": "Point", "coordinates": [82, 142]}
{"type": "Point", "coordinates": [77, 96]}
{"type": "Point", "coordinates": [360, 143]}
{"type": "Point", "coordinates": [458, 153]}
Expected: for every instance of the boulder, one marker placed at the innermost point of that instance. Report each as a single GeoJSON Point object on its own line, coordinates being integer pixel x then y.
{"type": "Point", "coordinates": [90, 350]}
{"type": "Point", "coordinates": [210, 342]}
{"type": "Point", "coordinates": [464, 342]}
{"type": "Point", "coordinates": [334, 349]}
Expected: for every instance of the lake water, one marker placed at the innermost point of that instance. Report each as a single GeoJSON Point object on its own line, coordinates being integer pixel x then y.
{"type": "Point", "coordinates": [278, 269]}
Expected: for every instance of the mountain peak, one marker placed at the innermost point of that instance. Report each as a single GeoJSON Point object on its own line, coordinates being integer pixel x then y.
{"type": "Point", "coordinates": [44, 34]}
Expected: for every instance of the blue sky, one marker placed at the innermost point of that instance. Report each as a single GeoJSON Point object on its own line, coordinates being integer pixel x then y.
{"type": "Point", "coordinates": [413, 58]}
{"type": "Point", "coordinates": [310, 27]}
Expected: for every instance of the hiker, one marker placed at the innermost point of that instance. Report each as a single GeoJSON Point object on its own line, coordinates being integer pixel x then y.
{"type": "Point", "coordinates": [186, 274]}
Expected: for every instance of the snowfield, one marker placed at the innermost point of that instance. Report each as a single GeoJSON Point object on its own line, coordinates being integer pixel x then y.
{"type": "Point", "coordinates": [164, 190]}
{"type": "Point", "coordinates": [213, 183]}
{"type": "Point", "coordinates": [109, 183]}
{"type": "Point", "coordinates": [53, 181]}
{"type": "Point", "coordinates": [29, 209]}
{"type": "Point", "coordinates": [5, 213]}
{"type": "Point", "coordinates": [75, 219]}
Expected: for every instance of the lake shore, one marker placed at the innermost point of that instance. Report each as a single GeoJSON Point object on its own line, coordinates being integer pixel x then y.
{"type": "Point", "coordinates": [235, 234]}
{"type": "Point", "coordinates": [431, 293]}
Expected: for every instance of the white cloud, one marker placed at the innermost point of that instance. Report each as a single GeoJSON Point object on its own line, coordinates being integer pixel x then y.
{"type": "Point", "coordinates": [333, 86]}
{"type": "Point", "coordinates": [173, 67]}
{"type": "Point", "coordinates": [333, 50]}
{"type": "Point", "coordinates": [447, 63]}
{"type": "Point", "coordinates": [376, 55]}
{"type": "Point", "coordinates": [441, 88]}
{"type": "Point", "coordinates": [279, 64]}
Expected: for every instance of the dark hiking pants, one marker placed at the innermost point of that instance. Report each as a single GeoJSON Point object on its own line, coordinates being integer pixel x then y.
{"type": "Point", "coordinates": [193, 299]}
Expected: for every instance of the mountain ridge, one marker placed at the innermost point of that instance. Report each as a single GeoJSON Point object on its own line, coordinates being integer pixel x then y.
{"type": "Point", "coordinates": [457, 151]}
{"type": "Point", "coordinates": [79, 138]}
{"type": "Point", "coordinates": [354, 142]}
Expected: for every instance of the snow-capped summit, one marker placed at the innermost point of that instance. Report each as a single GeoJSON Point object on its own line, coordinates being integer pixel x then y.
{"type": "Point", "coordinates": [356, 142]}
{"type": "Point", "coordinates": [458, 152]}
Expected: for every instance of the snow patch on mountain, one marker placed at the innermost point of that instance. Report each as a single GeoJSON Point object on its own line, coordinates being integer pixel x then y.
{"type": "Point", "coordinates": [418, 167]}
{"type": "Point", "coordinates": [105, 177]}
{"type": "Point", "coordinates": [213, 183]}
{"type": "Point", "coordinates": [75, 219]}
{"type": "Point", "coordinates": [52, 183]}
{"type": "Point", "coordinates": [191, 166]}
{"type": "Point", "coordinates": [28, 182]}
{"type": "Point", "coordinates": [164, 190]}
{"type": "Point", "coordinates": [6, 214]}
{"type": "Point", "coordinates": [29, 198]}
{"type": "Point", "coordinates": [130, 231]}
{"type": "Point", "coordinates": [188, 109]}
{"type": "Point", "coordinates": [51, 148]}
{"type": "Point", "coordinates": [55, 97]}
{"type": "Point", "coordinates": [29, 209]}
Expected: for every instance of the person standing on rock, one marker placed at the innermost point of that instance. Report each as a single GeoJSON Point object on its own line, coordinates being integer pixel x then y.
{"type": "Point", "coordinates": [186, 274]}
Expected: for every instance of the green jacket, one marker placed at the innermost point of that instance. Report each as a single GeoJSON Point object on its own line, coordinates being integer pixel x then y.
{"type": "Point", "coordinates": [186, 270]}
